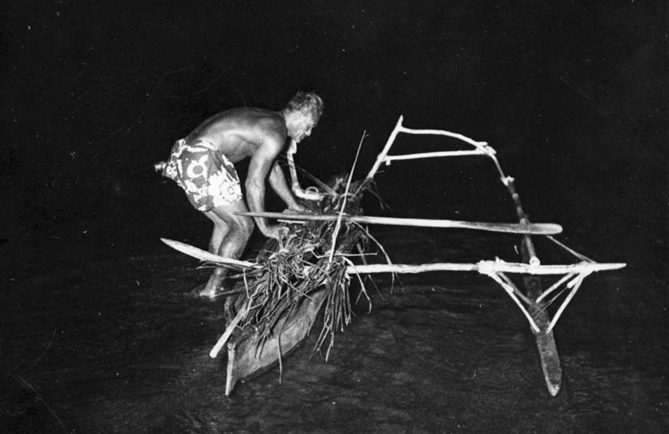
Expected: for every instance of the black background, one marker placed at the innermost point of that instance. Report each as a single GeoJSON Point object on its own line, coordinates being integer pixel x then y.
{"type": "Point", "coordinates": [572, 95]}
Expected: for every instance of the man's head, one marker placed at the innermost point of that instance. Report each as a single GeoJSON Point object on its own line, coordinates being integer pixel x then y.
{"type": "Point", "coordinates": [302, 113]}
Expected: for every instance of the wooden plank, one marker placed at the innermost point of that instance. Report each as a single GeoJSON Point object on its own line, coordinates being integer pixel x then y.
{"type": "Point", "coordinates": [206, 256]}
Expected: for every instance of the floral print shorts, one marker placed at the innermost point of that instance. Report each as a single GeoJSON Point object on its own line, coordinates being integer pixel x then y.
{"type": "Point", "coordinates": [207, 176]}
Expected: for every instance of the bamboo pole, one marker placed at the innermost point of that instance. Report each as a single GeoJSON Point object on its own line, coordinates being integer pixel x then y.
{"type": "Point", "coordinates": [485, 267]}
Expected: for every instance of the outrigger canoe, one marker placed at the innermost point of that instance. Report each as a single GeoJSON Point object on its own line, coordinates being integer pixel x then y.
{"type": "Point", "coordinates": [250, 354]}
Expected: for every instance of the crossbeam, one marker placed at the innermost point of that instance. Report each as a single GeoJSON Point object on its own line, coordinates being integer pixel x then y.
{"type": "Point", "coordinates": [421, 155]}
{"type": "Point", "coordinates": [574, 276]}
{"type": "Point", "coordinates": [511, 228]}
{"type": "Point", "coordinates": [486, 267]}
{"type": "Point", "coordinates": [480, 148]}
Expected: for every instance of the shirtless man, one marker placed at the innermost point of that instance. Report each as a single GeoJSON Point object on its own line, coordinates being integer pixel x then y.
{"type": "Point", "coordinates": [203, 165]}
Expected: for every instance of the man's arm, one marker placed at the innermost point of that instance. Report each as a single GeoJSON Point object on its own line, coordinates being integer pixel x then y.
{"type": "Point", "coordinates": [259, 167]}
{"type": "Point", "coordinates": [277, 180]}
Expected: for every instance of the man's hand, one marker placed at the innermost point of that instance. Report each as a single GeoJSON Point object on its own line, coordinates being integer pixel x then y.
{"type": "Point", "coordinates": [296, 208]}
{"type": "Point", "coordinates": [277, 232]}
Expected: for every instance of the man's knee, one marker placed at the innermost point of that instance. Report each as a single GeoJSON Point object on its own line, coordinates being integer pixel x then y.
{"type": "Point", "coordinates": [249, 226]}
{"type": "Point", "coordinates": [245, 227]}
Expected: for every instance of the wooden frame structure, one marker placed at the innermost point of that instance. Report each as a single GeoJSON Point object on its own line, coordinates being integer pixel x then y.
{"type": "Point", "coordinates": [532, 302]}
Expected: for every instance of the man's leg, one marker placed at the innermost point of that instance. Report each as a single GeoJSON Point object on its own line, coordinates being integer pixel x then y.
{"type": "Point", "coordinates": [231, 233]}
{"type": "Point", "coordinates": [218, 234]}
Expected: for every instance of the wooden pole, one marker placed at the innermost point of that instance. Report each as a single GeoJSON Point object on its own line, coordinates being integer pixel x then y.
{"type": "Point", "coordinates": [511, 228]}
{"type": "Point", "coordinates": [485, 267]}
{"type": "Point", "coordinates": [228, 331]}
{"type": "Point", "coordinates": [438, 154]}
{"type": "Point", "coordinates": [432, 132]}
{"type": "Point", "coordinates": [381, 157]}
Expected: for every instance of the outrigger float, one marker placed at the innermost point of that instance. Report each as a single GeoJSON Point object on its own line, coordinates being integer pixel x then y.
{"type": "Point", "coordinates": [256, 339]}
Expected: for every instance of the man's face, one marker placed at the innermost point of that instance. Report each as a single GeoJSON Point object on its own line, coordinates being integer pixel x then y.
{"type": "Point", "coordinates": [303, 125]}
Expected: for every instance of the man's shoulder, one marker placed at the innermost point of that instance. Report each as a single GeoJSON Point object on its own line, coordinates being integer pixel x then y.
{"type": "Point", "coordinates": [252, 119]}
{"type": "Point", "coordinates": [244, 115]}
{"type": "Point", "coordinates": [233, 128]}
{"type": "Point", "coordinates": [269, 120]}
{"type": "Point", "coordinates": [252, 114]}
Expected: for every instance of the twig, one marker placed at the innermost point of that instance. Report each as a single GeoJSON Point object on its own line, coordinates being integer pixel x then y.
{"type": "Point", "coordinates": [335, 232]}
{"type": "Point", "coordinates": [46, 404]}
{"type": "Point", "coordinates": [53, 335]}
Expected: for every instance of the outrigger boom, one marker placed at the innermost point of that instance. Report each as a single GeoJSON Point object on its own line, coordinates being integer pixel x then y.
{"type": "Point", "coordinates": [532, 305]}
{"type": "Point", "coordinates": [573, 274]}
{"type": "Point", "coordinates": [510, 228]}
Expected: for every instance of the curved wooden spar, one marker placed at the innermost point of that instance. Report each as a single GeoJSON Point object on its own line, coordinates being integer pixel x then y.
{"type": "Point", "coordinates": [206, 256]}
{"type": "Point", "coordinates": [510, 228]}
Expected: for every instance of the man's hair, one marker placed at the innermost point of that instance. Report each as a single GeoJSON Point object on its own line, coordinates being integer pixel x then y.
{"type": "Point", "coordinates": [306, 101]}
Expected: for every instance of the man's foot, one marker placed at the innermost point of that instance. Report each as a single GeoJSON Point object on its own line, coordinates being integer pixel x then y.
{"type": "Point", "coordinates": [203, 291]}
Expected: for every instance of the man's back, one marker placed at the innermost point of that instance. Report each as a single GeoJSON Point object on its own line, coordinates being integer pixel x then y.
{"type": "Point", "coordinates": [238, 133]}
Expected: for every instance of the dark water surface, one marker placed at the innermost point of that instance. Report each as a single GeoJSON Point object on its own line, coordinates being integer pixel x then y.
{"type": "Point", "coordinates": [116, 345]}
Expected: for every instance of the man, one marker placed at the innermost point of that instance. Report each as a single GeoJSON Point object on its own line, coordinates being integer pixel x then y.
{"type": "Point", "coordinates": [203, 165]}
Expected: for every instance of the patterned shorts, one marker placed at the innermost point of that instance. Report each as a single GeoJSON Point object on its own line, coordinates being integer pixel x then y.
{"type": "Point", "coordinates": [207, 176]}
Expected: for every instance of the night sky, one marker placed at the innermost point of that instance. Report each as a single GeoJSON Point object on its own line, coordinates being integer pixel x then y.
{"type": "Point", "coordinates": [573, 95]}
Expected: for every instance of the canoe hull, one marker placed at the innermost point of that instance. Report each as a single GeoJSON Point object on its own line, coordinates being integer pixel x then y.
{"type": "Point", "coordinates": [248, 356]}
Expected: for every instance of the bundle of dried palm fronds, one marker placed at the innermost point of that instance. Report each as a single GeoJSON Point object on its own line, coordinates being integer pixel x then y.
{"type": "Point", "coordinates": [312, 258]}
